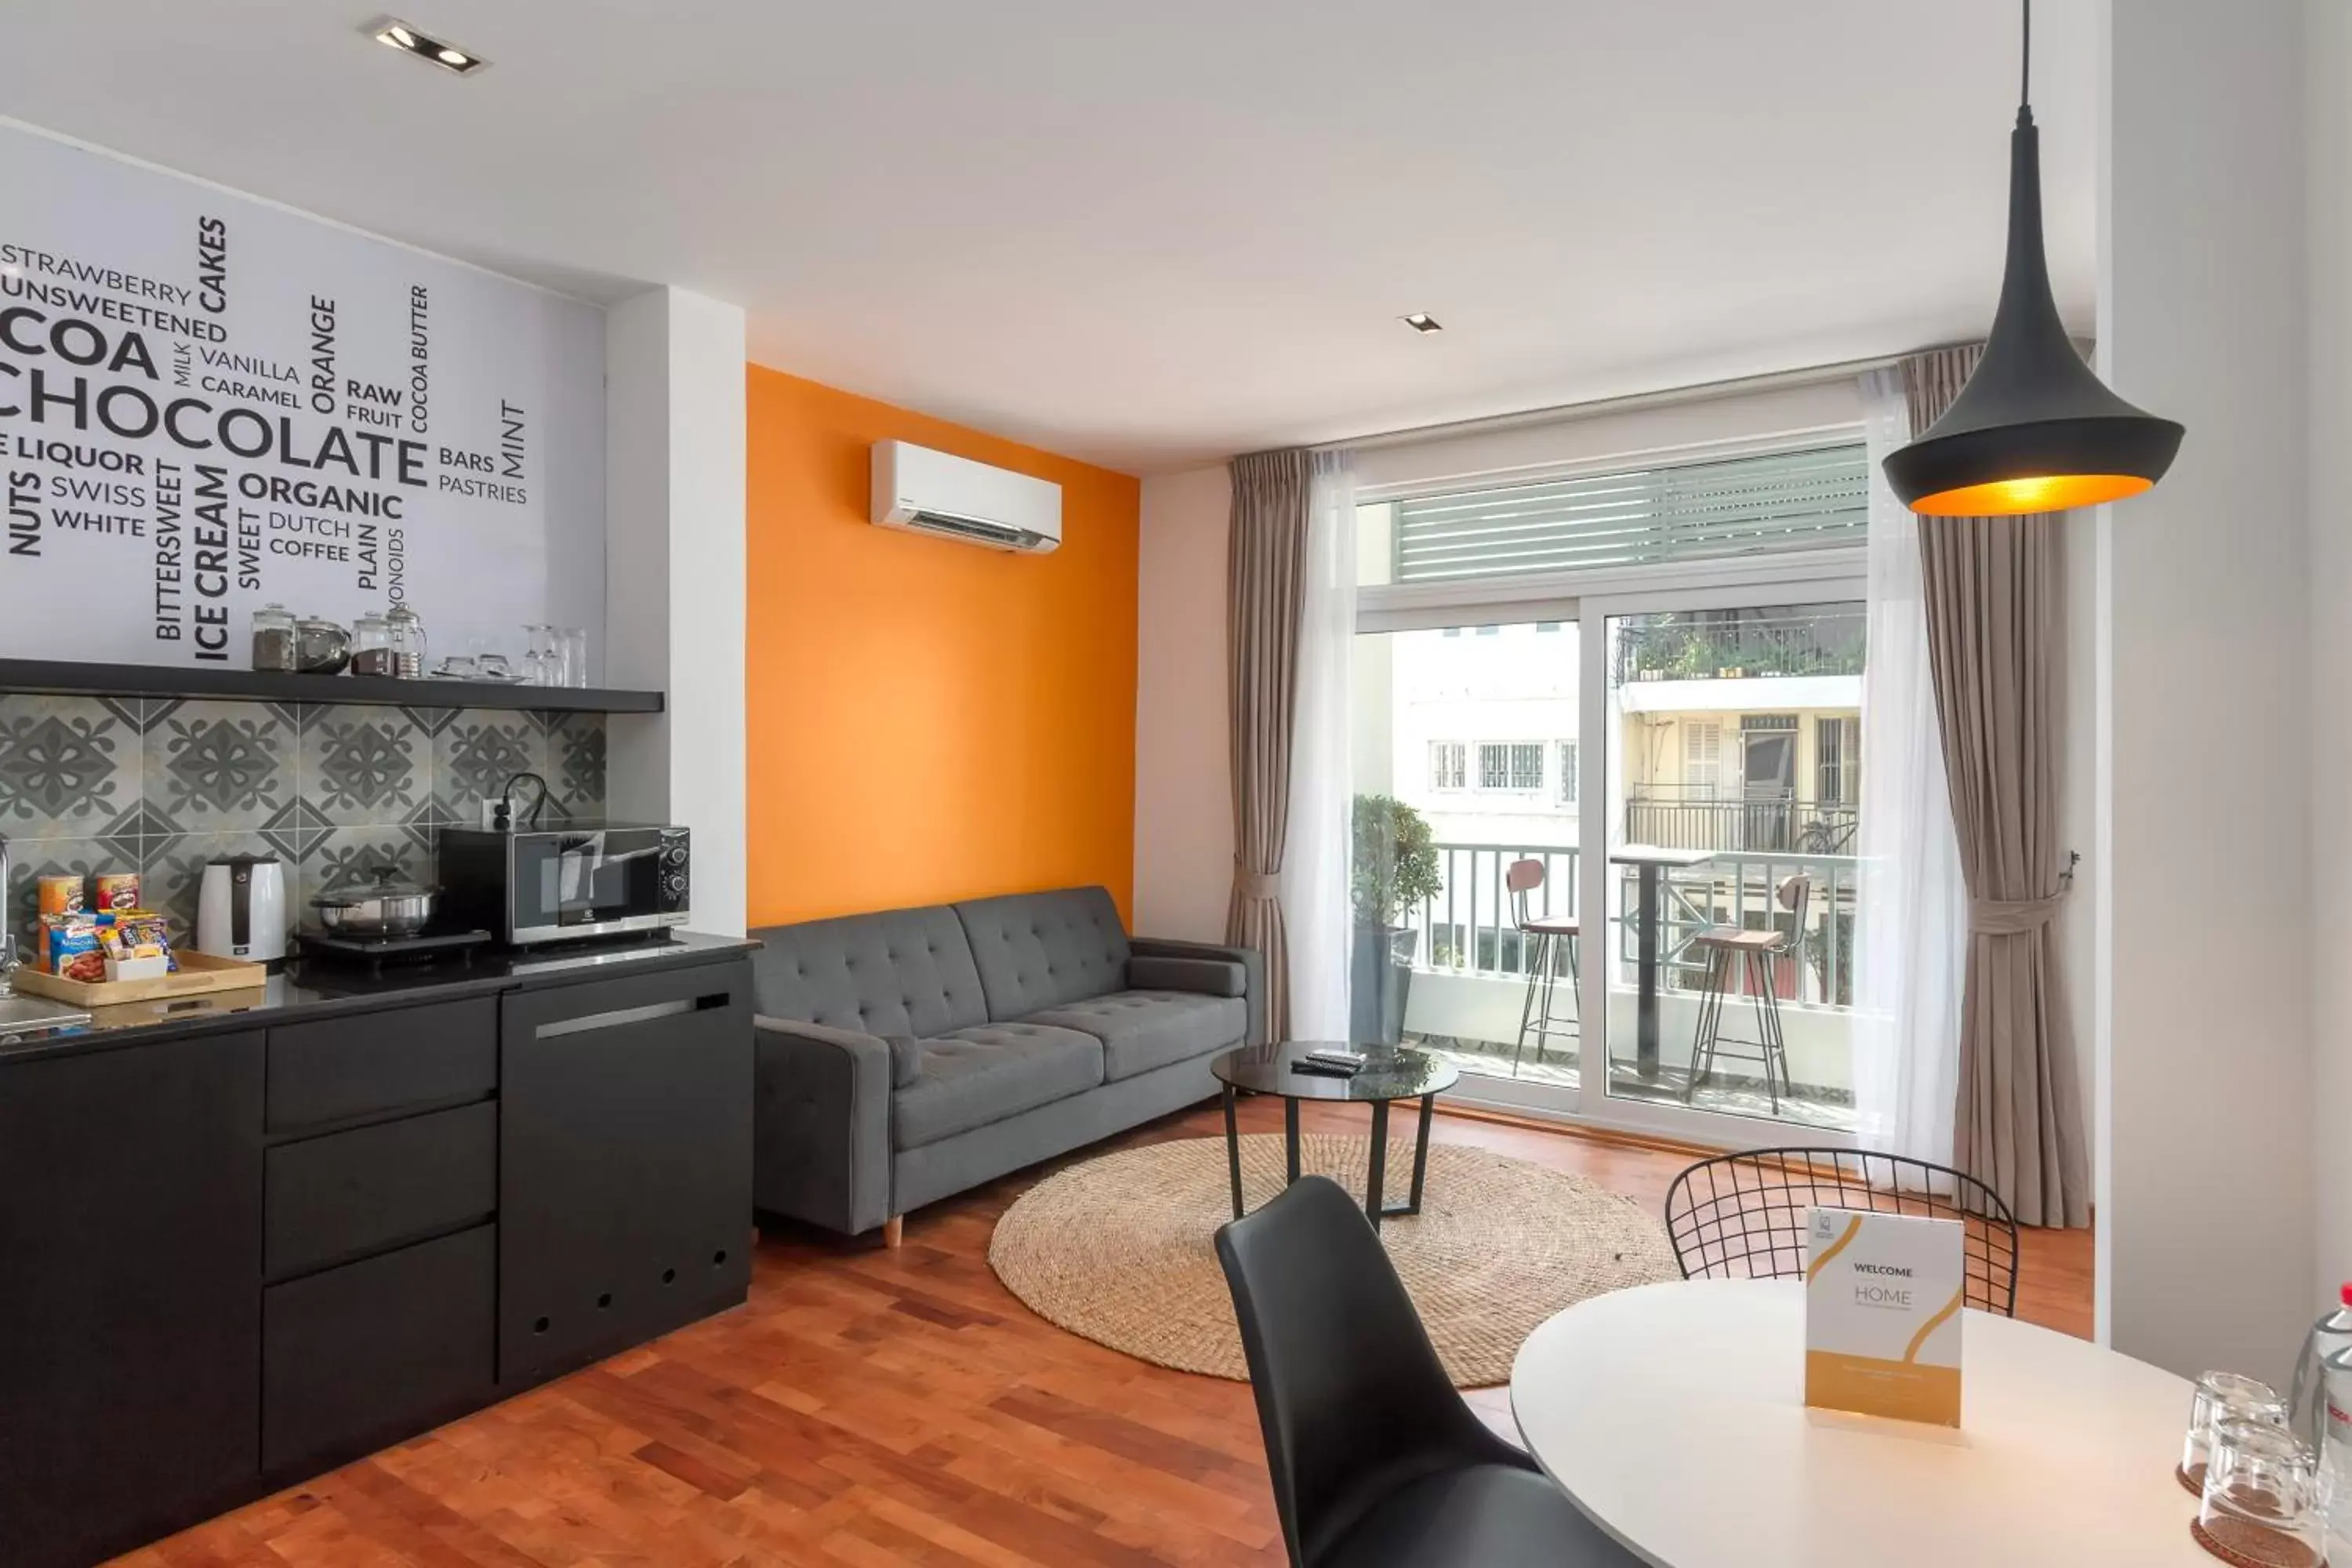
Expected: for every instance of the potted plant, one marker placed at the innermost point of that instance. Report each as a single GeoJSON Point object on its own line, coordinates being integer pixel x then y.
{"type": "Point", "coordinates": [1394, 870]}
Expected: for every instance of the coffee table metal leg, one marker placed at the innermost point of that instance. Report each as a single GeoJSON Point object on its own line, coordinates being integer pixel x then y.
{"type": "Point", "coordinates": [1379, 1164]}
{"type": "Point", "coordinates": [1420, 1154]}
{"type": "Point", "coordinates": [1233, 1151]}
{"type": "Point", "coordinates": [1290, 1136]}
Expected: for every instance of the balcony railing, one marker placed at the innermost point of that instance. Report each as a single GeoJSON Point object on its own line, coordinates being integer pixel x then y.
{"type": "Point", "coordinates": [1777, 825]}
{"type": "Point", "coordinates": [1467, 928]}
{"type": "Point", "coordinates": [1734, 645]}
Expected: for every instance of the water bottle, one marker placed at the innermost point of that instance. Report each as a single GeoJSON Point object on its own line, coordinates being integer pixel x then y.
{"type": "Point", "coordinates": [2308, 1399]}
{"type": "Point", "coordinates": [2321, 1412]}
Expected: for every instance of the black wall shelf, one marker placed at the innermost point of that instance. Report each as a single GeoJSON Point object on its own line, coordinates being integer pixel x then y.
{"type": "Point", "coordinates": [69, 678]}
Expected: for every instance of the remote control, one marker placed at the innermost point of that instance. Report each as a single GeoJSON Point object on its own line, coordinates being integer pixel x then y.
{"type": "Point", "coordinates": [1321, 1069]}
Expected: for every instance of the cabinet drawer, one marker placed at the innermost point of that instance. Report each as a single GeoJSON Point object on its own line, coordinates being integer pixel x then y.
{"type": "Point", "coordinates": [347, 1194]}
{"type": "Point", "coordinates": [371, 1063]}
{"type": "Point", "coordinates": [366, 1354]}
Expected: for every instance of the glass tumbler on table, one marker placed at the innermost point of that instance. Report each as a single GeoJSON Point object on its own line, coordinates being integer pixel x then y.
{"type": "Point", "coordinates": [2265, 1502]}
{"type": "Point", "coordinates": [2223, 1397]}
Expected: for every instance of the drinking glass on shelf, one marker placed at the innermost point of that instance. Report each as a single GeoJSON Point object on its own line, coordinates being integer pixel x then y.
{"type": "Point", "coordinates": [575, 656]}
{"type": "Point", "coordinates": [2223, 1397]}
{"type": "Point", "coordinates": [541, 662]}
{"type": "Point", "coordinates": [2264, 1503]}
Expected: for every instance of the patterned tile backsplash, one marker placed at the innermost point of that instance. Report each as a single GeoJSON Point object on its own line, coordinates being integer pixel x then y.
{"type": "Point", "coordinates": [333, 789]}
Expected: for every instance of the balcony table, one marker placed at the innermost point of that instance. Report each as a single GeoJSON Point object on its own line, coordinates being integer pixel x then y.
{"type": "Point", "coordinates": [1674, 1416]}
{"type": "Point", "coordinates": [1654, 860]}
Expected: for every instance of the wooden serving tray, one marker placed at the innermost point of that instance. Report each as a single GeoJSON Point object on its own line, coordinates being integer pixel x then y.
{"type": "Point", "coordinates": [199, 973]}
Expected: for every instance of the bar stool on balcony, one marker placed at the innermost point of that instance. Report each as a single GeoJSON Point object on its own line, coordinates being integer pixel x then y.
{"type": "Point", "coordinates": [1753, 952]}
{"type": "Point", "coordinates": [1540, 940]}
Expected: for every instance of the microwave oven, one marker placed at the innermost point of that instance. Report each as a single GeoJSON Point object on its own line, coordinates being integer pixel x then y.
{"type": "Point", "coordinates": [535, 885]}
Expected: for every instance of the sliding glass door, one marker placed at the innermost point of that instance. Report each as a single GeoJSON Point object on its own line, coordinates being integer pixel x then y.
{"type": "Point", "coordinates": [1605, 860]}
{"type": "Point", "coordinates": [1607, 771]}
{"type": "Point", "coordinates": [1468, 767]}
{"type": "Point", "coordinates": [1732, 823]}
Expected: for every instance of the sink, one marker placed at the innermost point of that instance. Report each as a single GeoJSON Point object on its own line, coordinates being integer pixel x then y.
{"type": "Point", "coordinates": [23, 1015]}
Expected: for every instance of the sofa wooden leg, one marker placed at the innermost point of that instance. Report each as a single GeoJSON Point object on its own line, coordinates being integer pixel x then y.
{"type": "Point", "coordinates": [893, 1230]}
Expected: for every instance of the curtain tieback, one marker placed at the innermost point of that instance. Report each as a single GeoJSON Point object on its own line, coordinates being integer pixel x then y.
{"type": "Point", "coordinates": [2011, 917]}
{"type": "Point", "coordinates": [1255, 884]}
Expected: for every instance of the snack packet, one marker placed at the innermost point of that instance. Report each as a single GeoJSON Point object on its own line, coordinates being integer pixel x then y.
{"type": "Point", "coordinates": [73, 947]}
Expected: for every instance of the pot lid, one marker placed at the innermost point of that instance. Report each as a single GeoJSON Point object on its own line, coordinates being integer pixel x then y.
{"type": "Point", "coordinates": [384, 883]}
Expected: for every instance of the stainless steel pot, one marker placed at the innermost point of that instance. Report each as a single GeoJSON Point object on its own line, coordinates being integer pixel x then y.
{"type": "Point", "coordinates": [386, 907]}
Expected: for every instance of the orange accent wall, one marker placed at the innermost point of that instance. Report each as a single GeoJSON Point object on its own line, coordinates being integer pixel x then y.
{"type": "Point", "coordinates": [929, 720]}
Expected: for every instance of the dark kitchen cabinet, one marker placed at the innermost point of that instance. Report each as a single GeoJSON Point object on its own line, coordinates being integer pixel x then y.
{"type": "Point", "coordinates": [129, 1312]}
{"type": "Point", "coordinates": [368, 1064]}
{"type": "Point", "coordinates": [351, 1194]}
{"type": "Point", "coordinates": [376, 1351]}
{"type": "Point", "coordinates": [234, 1253]}
{"type": "Point", "coordinates": [625, 1193]}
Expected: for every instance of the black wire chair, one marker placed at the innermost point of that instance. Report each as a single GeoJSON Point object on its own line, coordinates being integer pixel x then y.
{"type": "Point", "coordinates": [1744, 1216]}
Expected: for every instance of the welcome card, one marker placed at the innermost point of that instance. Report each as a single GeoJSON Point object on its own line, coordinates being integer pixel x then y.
{"type": "Point", "coordinates": [1883, 1297]}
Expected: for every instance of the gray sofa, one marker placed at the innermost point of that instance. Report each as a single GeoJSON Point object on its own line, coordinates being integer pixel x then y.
{"type": "Point", "coordinates": [908, 1056]}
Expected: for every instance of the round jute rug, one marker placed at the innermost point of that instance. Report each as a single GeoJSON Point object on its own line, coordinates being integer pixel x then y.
{"type": "Point", "coordinates": [1119, 1249]}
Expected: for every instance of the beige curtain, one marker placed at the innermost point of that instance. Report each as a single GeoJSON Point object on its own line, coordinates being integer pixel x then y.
{"type": "Point", "coordinates": [1265, 577]}
{"type": "Point", "coordinates": [1995, 590]}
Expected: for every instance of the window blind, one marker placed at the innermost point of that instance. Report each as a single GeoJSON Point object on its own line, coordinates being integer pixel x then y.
{"type": "Point", "coordinates": [1689, 512]}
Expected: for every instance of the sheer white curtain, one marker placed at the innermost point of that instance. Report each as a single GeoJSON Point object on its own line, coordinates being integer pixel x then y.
{"type": "Point", "coordinates": [1908, 972]}
{"type": "Point", "coordinates": [1314, 881]}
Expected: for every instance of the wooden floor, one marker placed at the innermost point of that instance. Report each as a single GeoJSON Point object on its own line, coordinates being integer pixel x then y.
{"type": "Point", "coordinates": [870, 1407]}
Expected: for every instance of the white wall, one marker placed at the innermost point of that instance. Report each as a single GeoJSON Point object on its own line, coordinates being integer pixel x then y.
{"type": "Point", "coordinates": [2205, 1193]}
{"type": "Point", "coordinates": [2327, 88]}
{"type": "Point", "coordinates": [1647, 428]}
{"type": "Point", "coordinates": [675, 574]}
{"type": "Point", "coordinates": [1183, 786]}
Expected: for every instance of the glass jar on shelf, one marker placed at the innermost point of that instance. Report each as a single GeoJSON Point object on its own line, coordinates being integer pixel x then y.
{"type": "Point", "coordinates": [273, 640]}
{"type": "Point", "coordinates": [407, 632]}
{"type": "Point", "coordinates": [372, 650]}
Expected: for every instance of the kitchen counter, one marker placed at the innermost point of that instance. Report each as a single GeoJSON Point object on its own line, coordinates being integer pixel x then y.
{"type": "Point", "coordinates": [312, 988]}
{"type": "Point", "coordinates": [253, 1237]}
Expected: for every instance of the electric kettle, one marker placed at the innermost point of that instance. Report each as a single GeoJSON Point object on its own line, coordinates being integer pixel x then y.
{"type": "Point", "coordinates": [241, 908]}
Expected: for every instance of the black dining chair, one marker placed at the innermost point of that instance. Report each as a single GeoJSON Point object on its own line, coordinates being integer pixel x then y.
{"type": "Point", "coordinates": [1744, 1216]}
{"type": "Point", "coordinates": [1376, 1461]}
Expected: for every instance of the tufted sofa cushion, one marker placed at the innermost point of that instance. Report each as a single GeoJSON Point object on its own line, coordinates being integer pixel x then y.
{"type": "Point", "coordinates": [988, 1072]}
{"type": "Point", "coordinates": [1035, 951]}
{"type": "Point", "coordinates": [1142, 1030]}
{"type": "Point", "coordinates": [904, 972]}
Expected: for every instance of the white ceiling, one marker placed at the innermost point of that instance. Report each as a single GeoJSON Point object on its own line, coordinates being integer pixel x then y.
{"type": "Point", "coordinates": [1155, 235]}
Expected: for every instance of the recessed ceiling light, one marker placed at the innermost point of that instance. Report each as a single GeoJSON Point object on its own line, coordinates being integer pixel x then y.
{"type": "Point", "coordinates": [405, 36]}
{"type": "Point", "coordinates": [1422, 321]}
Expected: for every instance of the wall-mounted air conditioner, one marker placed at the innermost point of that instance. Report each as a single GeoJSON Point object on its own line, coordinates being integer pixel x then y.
{"type": "Point", "coordinates": [932, 492]}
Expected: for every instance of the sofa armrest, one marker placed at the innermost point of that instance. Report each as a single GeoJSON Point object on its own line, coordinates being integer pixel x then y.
{"type": "Point", "coordinates": [821, 1124]}
{"type": "Point", "coordinates": [1206, 976]}
{"type": "Point", "coordinates": [1252, 970]}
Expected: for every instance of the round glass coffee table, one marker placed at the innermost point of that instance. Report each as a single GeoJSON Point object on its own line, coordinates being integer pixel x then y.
{"type": "Point", "coordinates": [1390, 1073]}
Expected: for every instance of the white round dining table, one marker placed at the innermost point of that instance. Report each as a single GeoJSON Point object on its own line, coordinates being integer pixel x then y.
{"type": "Point", "coordinates": [1674, 1416]}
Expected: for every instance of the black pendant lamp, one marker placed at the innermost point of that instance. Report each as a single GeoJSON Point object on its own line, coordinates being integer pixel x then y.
{"type": "Point", "coordinates": [2033, 430]}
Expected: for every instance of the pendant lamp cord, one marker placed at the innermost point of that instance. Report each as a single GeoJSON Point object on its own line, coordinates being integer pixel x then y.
{"type": "Point", "coordinates": [2025, 60]}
